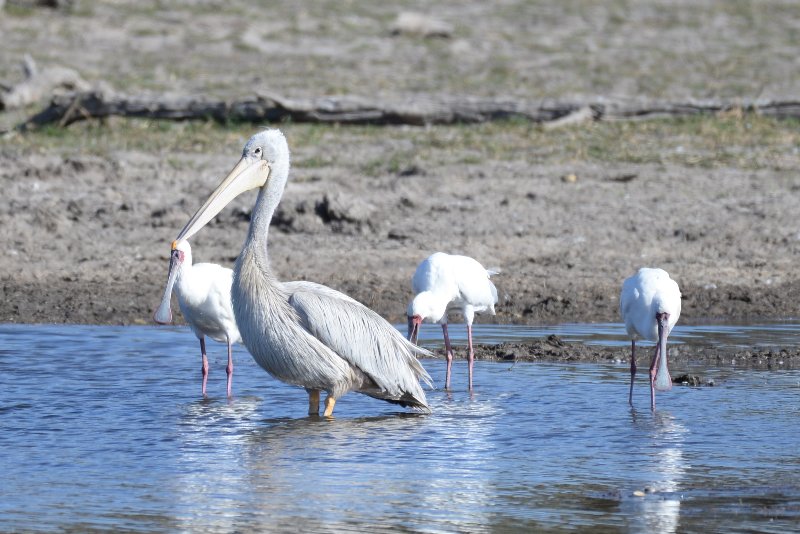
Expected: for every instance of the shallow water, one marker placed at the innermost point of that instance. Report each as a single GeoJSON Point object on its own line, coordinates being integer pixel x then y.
{"type": "Point", "coordinates": [783, 334]}
{"type": "Point", "coordinates": [104, 428]}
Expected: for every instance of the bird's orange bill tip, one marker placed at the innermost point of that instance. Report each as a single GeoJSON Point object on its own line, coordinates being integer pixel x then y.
{"type": "Point", "coordinates": [174, 245]}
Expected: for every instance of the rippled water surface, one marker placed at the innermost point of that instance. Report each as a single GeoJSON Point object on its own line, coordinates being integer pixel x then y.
{"type": "Point", "coordinates": [104, 428]}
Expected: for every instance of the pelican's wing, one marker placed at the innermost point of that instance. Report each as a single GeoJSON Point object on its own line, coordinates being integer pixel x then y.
{"type": "Point", "coordinates": [365, 340]}
{"type": "Point", "coordinates": [303, 285]}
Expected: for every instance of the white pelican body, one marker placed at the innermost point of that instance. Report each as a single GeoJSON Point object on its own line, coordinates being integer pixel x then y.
{"type": "Point", "coordinates": [310, 336]}
{"type": "Point", "coordinates": [650, 305]}
{"type": "Point", "coordinates": [446, 282]}
{"type": "Point", "coordinates": [204, 296]}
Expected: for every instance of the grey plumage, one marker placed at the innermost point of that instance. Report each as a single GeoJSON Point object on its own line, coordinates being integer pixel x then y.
{"type": "Point", "coordinates": [303, 333]}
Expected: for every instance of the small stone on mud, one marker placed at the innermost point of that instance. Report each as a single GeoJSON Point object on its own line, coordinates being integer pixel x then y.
{"type": "Point", "coordinates": [411, 23]}
{"type": "Point", "coordinates": [397, 234]}
{"type": "Point", "coordinates": [406, 202]}
{"type": "Point", "coordinates": [411, 170]}
{"type": "Point", "coordinates": [638, 493]}
{"type": "Point", "coordinates": [569, 178]}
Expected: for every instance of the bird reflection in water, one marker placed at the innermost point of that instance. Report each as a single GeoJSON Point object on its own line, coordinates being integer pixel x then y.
{"type": "Point", "coordinates": [658, 510]}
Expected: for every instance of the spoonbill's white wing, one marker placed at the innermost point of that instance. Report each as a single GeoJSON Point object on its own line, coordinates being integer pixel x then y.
{"type": "Point", "coordinates": [206, 302]}
{"type": "Point", "coordinates": [474, 285]}
{"type": "Point", "coordinates": [434, 274]}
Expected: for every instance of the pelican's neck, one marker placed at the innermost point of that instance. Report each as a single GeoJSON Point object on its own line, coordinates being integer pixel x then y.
{"type": "Point", "coordinates": [269, 197]}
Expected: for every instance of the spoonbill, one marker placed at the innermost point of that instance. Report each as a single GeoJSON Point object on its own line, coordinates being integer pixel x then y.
{"type": "Point", "coordinates": [446, 282]}
{"type": "Point", "coordinates": [650, 305]}
{"type": "Point", "coordinates": [204, 296]}
{"type": "Point", "coordinates": [306, 336]}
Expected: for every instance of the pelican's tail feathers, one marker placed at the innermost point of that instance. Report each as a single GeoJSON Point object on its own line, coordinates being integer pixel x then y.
{"type": "Point", "coordinates": [407, 400]}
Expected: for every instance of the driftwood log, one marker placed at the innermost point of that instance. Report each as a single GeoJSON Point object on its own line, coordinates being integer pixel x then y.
{"type": "Point", "coordinates": [65, 109]}
{"type": "Point", "coordinates": [40, 84]}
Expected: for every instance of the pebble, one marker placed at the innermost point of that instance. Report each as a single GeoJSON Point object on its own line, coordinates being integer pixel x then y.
{"type": "Point", "coordinates": [412, 23]}
{"type": "Point", "coordinates": [569, 178]}
{"type": "Point", "coordinates": [638, 493]}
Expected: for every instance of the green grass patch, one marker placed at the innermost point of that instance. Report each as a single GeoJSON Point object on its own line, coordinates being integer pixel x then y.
{"type": "Point", "coordinates": [745, 141]}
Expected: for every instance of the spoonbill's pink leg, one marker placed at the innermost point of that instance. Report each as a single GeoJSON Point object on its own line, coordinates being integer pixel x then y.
{"type": "Point", "coordinates": [229, 368]}
{"type": "Point", "coordinates": [449, 351]}
{"type": "Point", "coordinates": [656, 356]}
{"type": "Point", "coordinates": [633, 370]}
{"type": "Point", "coordinates": [205, 363]}
{"type": "Point", "coordinates": [471, 355]}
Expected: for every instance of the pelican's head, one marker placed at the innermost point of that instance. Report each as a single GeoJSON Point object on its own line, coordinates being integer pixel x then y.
{"type": "Point", "coordinates": [265, 156]}
{"type": "Point", "coordinates": [424, 307]}
{"type": "Point", "coordinates": [181, 253]}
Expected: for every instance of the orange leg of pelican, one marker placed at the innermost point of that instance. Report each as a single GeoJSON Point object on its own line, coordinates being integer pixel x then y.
{"type": "Point", "coordinates": [313, 402]}
{"type": "Point", "coordinates": [329, 404]}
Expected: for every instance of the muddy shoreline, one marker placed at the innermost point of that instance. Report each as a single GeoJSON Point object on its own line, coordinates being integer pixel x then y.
{"type": "Point", "coordinates": [554, 349]}
{"type": "Point", "coordinates": [566, 213]}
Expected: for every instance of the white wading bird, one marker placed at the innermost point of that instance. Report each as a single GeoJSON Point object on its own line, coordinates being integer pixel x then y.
{"type": "Point", "coordinates": [204, 296]}
{"type": "Point", "coordinates": [444, 283]}
{"type": "Point", "coordinates": [650, 304]}
{"type": "Point", "coordinates": [317, 339]}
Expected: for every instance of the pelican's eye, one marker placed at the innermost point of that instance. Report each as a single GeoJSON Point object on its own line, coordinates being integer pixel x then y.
{"type": "Point", "coordinates": [257, 151]}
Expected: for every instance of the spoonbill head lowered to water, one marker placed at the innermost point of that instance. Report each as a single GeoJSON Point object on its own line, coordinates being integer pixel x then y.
{"type": "Point", "coordinates": [446, 282]}
{"type": "Point", "coordinates": [650, 305]}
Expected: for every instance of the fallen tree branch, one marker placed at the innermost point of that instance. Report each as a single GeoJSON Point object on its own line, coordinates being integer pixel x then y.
{"type": "Point", "coordinates": [583, 114]}
{"type": "Point", "coordinates": [68, 108]}
{"type": "Point", "coordinates": [41, 84]}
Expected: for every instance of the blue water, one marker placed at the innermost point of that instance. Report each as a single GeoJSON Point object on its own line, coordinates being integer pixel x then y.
{"type": "Point", "coordinates": [781, 334]}
{"type": "Point", "coordinates": [104, 428]}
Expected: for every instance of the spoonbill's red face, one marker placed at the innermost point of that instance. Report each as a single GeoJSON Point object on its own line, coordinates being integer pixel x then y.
{"type": "Point", "coordinates": [413, 327]}
{"type": "Point", "coordinates": [163, 315]}
{"type": "Point", "coordinates": [176, 257]}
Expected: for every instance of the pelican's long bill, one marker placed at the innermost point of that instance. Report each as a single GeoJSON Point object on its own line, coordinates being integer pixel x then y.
{"type": "Point", "coordinates": [163, 314]}
{"type": "Point", "coordinates": [246, 175]}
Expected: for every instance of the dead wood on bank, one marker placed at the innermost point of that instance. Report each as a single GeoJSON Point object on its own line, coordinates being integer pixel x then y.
{"type": "Point", "coordinates": [40, 84]}
{"type": "Point", "coordinates": [65, 109]}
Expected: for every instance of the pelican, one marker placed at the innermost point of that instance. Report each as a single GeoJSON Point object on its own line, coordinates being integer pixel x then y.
{"type": "Point", "coordinates": [204, 296]}
{"type": "Point", "coordinates": [446, 282]}
{"type": "Point", "coordinates": [650, 304]}
{"type": "Point", "coordinates": [317, 339]}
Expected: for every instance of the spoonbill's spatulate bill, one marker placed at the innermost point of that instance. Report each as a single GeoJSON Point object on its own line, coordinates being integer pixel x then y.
{"type": "Point", "coordinates": [204, 296]}
{"type": "Point", "coordinates": [307, 336]}
{"type": "Point", "coordinates": [650, 305]}
{"type": "Point", "coordinates": [443, 283]}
